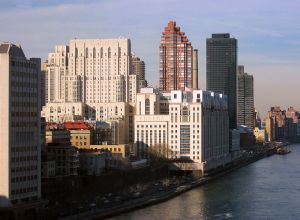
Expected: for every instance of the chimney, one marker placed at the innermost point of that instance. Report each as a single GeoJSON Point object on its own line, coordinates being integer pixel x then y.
{"type": "Point", "coordinates": [195, 69]}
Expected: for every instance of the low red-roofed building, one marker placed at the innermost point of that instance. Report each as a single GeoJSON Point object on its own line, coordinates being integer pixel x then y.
{"type": "Point", "coordinates": [80, 134]}
{"type": "Point", "coordinates": [76, 126]}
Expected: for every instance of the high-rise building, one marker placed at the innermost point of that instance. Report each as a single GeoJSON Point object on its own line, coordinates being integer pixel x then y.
{"type": "Point", "coordinates": [138, 69]}
{"type": "Point", "coordinates": [20, 125]}
{"type": "Point", "coordinates": [90, 79]}
{"type": "Point", "coordinates": [221, 70]}
{"type": "Point", "coordinates": [175, 60]}
{"type": "Point", "coordinates": [246, 114]}
{"type": "Point", "coordinates": [90, 71]}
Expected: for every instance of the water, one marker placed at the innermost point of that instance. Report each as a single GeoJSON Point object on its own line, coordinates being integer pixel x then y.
{"type": "Point", "coordinates": [266, 189]}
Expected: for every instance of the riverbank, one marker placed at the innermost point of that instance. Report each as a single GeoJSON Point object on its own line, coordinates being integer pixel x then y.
{"type": "Point", "coordinates": [170, 192]}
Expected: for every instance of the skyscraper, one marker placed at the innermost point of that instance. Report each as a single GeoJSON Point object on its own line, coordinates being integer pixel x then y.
{"type": "Point", "coordinates": [221, 70]}
{"type": "Point", "coordinates": [138, 69]}
{"type": "Point", "coordinates": [175, 59]}
{"type": "Point", "coordinates": [20, 125]}
{"type": "Point", "coordinates": [246, 114]}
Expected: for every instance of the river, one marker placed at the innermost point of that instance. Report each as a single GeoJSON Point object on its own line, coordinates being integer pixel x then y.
{"type": "Point", "coordinates": [266, 189]}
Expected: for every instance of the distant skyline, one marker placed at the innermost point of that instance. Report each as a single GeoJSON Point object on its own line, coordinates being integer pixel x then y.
{"type": "Point", "coordinates": [268, 34]}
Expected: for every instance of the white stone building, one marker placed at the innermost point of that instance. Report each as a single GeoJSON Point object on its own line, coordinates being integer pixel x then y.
{"type": "Point", "coordinates": [20, 125]}
{"type": "Point", "coordinates": [91, 79]}
{"type": "Point", "coordinates": [196, 127]}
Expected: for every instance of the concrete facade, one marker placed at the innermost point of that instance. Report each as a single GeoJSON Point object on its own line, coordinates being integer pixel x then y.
{"type": "Point", "coordinates": [20, 123]}
{"type": "Point", "coordinates": [196, 128]}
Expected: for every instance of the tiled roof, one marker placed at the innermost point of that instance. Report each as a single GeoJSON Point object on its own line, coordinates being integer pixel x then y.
{"type": "Point", "coordinates": [76, 126]}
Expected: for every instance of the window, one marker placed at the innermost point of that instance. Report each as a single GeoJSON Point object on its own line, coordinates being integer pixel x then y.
{"type": "Point", "coordinates": [185, 114]}
{"type": "Point", "coordinates": [147, 107]}
{"type": "Point", "coordinates": [109, 53]}
{"type": "Point", "coordinates": [175, 96]}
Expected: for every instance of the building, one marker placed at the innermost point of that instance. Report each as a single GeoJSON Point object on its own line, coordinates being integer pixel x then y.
{"type": "Point", "coordinates": [281, 124]}
{"type": "Point", "coordinates": [80, 134]}
{"type": "Point", "coordinates": [92, 162]}
{"type": "Point", "coordinates": [221, 70]}
{"type": "Point", "coordinates": [118, 151]}
{"type": "Point", "coordinates": [101, 133]}
{"type": "Point", "coordinates": [43, 83]}
{"type": "Point", "coordinates": [196, 128]}
{"type": "Point", "coordinates": [60, 150]}
{"type": "Point", "coordinates": [138, 69]}
{"type": "Point", "coordinates": [86, 69]}
{"type": "Point", "coordinates": [20, 120]}
{"type": "Point", "coordinates": [117, 157]}
{"type": "Point", "coordinates": [57, 135]}
{"type": "Point", "coordinates": [246, 113]}
{"type": "Point", "coordinates": [66, 158]}
{"type": "Point", "coordinates": [246, 136]}
{"type": "Point", "coordinates": [175, 60]}
{"type": "Point", "coordinates": [294, 116]}
{"type": "Point", "coordinates": [90, 79]}
{"type": "Point", "coordinates": [48, 165]}
{"type": "Point", "coordinates": [260, 135]}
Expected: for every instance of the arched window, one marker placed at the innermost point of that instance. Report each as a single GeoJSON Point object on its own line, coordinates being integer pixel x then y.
{"type": "Point", "coordinates": [59, 109]}
{"type": "Point", "coordinates": [73, 110]}
{"type": "Point", "coordinates": [147, 107]}
{"type": "Point", "coordinates": [51, 109]}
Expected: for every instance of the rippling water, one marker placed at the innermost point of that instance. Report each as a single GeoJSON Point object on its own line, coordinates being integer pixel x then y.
{"type": "Point", "coordinates": [266, 189]}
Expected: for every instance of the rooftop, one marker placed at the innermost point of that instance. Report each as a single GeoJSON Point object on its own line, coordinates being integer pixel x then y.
{"type": "Point", "coordinates": [76, 126]}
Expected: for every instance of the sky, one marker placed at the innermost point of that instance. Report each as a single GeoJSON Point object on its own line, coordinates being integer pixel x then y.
{"type": "Point", "coordinates": [268, 34]}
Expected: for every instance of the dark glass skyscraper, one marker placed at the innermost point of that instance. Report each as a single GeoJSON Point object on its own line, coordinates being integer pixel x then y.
{"type": "Point", "coordinates": [221, 70]}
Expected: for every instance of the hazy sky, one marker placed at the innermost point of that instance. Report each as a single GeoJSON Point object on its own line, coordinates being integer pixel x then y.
{"type": "Point", "coordinates": [268, 33]}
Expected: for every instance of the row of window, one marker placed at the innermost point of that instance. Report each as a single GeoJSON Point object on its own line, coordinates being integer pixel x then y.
{"type": "Point", "coordinates": [23, 178]}
{"type": "Point", "coordinates": [24, 158]}
{"type": "Point", "coordinates": [23, 124]}
{"type": "Point", "coordinates": [23, 149]}
{"type": "Point", "coordinates": [24, 104]}
{"type": "Point", "coordinates": [24, 190]}
{"type": "Point", "coordinates": [150, 126]}
{"type": "Point", "coordinates": [24, 114]}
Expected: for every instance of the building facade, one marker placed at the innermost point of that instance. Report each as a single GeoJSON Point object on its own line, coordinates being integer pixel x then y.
{"type": "Point", "coordinates": [281, 124]}
{"type": "Point", "coordinates": [196, 128]}
{"type": "Point", "coordinates": [20, 124]}
{"type": "Point", "coordinates": [139, 69]}
{"type": "Point", "coordinates": [175, 60]}
{"type": "Point", "coordinates": [246, 111]}
{"type": "Point", "coordinates": [221, 70]}
{"type": "Point", "coordinates": [92, 162]}
{"type": "Point", "coordinates": [89, 71]}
